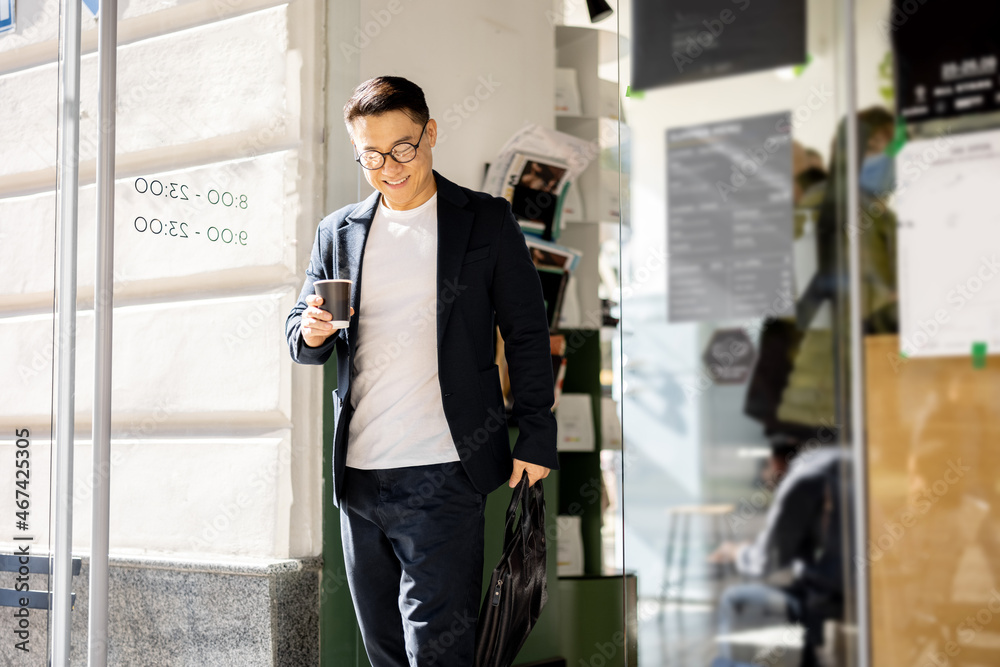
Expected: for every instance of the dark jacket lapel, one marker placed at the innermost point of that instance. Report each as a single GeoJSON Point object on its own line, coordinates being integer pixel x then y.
{"type": "Point", "coordinates": [454, 228]}
{"type": "Point", "coordinates": [352, 235]}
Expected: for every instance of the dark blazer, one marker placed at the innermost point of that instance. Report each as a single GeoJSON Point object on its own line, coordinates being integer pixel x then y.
{"type": "Point", "coordinates": [485, 276]}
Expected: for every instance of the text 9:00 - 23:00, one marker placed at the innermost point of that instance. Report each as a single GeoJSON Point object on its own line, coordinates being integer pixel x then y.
{"type": "Point", "coordinates": [179, 230]}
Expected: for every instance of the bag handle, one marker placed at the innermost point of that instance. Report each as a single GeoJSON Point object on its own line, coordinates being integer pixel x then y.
{"type": "Point", "coordinates": [532, 502]}
{"type": "Point", "coordinates": [535, 513]}
{"type": "Point", "coordinates": [519, 497]}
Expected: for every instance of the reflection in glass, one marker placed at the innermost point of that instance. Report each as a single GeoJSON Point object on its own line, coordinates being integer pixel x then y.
{"type": "Point", "coordinates": [740, 487]}
{"type": "Point", "coordinates": [737, 492]}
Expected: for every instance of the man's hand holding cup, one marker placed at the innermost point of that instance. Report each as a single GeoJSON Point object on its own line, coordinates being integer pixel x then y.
{"type": "Point", "coordinates": [318, 323]}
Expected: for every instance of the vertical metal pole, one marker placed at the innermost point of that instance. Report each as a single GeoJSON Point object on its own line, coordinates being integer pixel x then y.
{"type": "Point", "coordinates": [66, 196]}
{"type": "Point", "coordinates": [859, 449]}
{"type": "Point", "coordinates": [107, 43]}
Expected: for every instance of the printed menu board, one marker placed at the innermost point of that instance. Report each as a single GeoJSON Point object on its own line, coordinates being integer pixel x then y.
{"type": "Point", "coordinates": [729, 219]}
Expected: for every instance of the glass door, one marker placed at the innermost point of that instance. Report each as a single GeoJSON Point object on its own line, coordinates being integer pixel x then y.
{"type": "Point", "coordinates": [736, 339]}
{"type": "Point", "coordinates": [29, 338]}
{"type": "Point", "coordinates": [930, 379]}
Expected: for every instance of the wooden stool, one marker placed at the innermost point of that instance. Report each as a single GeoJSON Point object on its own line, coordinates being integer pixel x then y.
{"type": "Point", "coordinates": [679, 528]}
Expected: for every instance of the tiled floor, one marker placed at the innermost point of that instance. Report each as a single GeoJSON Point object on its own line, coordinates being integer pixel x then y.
{"type": "Point", "coordinates": [684, 635]}
{"type": "Point", "coordinates": [676, 634]}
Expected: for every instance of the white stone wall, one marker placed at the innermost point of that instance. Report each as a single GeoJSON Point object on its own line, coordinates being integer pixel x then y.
{"type": "Point", "coordinates": [219, 136]}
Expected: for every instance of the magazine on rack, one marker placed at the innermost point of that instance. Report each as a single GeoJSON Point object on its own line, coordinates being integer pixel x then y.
{"type": "Point", "coordinates": [557, 342]}
{"type": "Point", "coordinates": [536, 191]}
{"type": "Point", "coordinates": [552, 255]}
{"type": "Point", "coordinates": [553, 289]}
{"type": "Point", "coordinates": [533, 185]}
{"type": "Point", "coordinates": [532, 139]}
{"type": "Point", "coordinates": [555, 263]}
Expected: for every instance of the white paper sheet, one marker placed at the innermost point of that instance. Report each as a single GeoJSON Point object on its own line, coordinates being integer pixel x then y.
{"type": "Point", "coordinates": [949, 244]}
{"type": "Point", "coordinates": [575, 421]}
{"type": "Point", "coordinates": [569, 546]}
{"type": "Point", "coordinates": [567, 92]}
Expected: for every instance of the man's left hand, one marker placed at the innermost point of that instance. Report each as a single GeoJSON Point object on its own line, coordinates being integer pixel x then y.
{"type": "Point", "coordinates": [535, 473]}
{"type": "Point", "coordinates": [726, 553]}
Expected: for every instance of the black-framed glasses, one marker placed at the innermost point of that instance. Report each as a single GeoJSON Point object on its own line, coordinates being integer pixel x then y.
{"type": "Point", "coordinates": [402, 153]}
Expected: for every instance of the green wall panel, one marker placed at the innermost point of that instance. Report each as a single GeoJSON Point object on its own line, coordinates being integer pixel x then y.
{"type": "Point", "coordinates": [581, 482]}
{"type": "Point", "coordinates": [340, 641]}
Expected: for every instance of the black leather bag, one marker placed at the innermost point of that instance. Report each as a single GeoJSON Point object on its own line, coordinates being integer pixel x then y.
{"type": "Point", "coordinates": [517, 590]}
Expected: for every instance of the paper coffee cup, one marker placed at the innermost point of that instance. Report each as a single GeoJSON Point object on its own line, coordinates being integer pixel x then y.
{"type": "Point", "coordinates": [336, 295]}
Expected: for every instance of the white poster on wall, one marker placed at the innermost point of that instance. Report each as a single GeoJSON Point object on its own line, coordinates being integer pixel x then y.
{"type": "Point", "coordinates": [569, 546]}
{"type": "Point", "coordinates": [567, 92]}
{"type": "Point", "coordinates": [949, 245]}
{"type": "Point", "coordinates": [575, 423]}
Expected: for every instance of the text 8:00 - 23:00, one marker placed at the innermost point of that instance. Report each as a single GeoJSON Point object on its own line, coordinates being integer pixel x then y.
{"type": "Point", "coordinates": [180, 191]}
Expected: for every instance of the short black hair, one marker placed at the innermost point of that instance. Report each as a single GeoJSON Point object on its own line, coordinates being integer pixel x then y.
{"type": "Point", "coordinates": [384, 94]}
{"type": "Point", "coordinates": [810, 177]}
{"type": "Point", "coordinates": [877, 119]}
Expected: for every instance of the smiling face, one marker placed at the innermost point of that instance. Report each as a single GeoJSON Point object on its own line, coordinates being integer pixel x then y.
{"type": "Point", "coordinates": [403, 186]}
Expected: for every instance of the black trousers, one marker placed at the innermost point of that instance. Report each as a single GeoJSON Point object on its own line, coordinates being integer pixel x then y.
{"type": "Point", "coordinates": [413, 547]}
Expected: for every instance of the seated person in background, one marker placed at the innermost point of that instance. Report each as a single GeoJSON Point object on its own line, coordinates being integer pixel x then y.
{"type": "Point", "coordinates": [801, 543]}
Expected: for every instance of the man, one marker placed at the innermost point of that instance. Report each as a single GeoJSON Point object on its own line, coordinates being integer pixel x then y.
{"type": "Point", "coordinates": [421, 435]}
{"type": "Point", "coordinates": [798, 558]}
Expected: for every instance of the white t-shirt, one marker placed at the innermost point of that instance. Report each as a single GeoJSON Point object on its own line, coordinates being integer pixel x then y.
{"type": "Point", "coordinates": [398, 417]}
